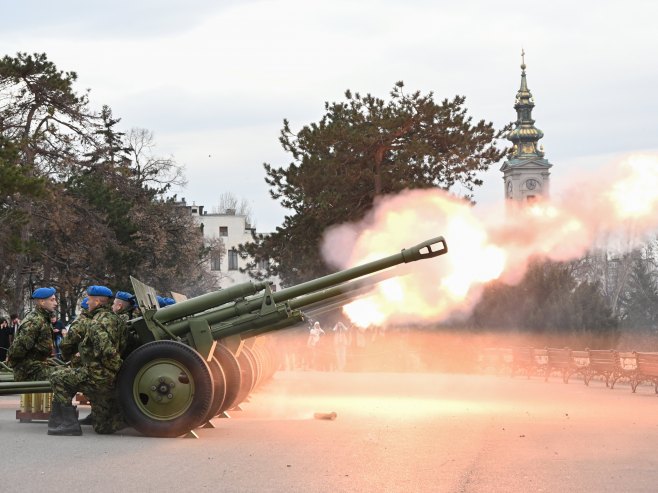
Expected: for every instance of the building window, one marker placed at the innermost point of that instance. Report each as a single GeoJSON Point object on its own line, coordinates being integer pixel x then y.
{"type": "Point", "coordinates": [215, 261]}
{"type": "Point", "coordinates": [223, 231]}
{"type": "Point", "coordinates": [232, 260]}
{"type": "Point", "coordinates": [263, 264]}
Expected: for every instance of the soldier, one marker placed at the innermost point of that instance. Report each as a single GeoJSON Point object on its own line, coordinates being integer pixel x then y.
{"type": "Point", "coordinates": [165, 301]}
{"type": "Point", "coordinates": [75, 334]}
{"type": "Point", "coordinates": [71, 341]}
{"type": "Point", "coordinates": [123, 305]}
{"type": "Point", "coordinates": [33, 344]}
{"type": "Point", "coordinates": [96, 377]}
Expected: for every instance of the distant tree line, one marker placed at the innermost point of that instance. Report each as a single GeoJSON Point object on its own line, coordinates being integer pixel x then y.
{"type": "Point", "coordinates": [81, 202]}
{"type": "Point", "coordinates": [605, 297]}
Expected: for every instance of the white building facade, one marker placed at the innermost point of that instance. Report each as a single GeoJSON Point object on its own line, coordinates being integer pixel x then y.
{"type": "Point", "coordinates": [231, 230]}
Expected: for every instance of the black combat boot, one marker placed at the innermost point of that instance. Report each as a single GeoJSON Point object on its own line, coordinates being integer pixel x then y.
{"type": "Point", "coordinates": [69, 425]}
{"type": "Point", "coordinates": [55, 418]}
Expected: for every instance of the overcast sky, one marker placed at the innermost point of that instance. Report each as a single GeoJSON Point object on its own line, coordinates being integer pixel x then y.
{"type": "Point", "coordinates": [214, 79]}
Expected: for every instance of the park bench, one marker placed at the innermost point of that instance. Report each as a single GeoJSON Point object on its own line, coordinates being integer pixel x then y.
{"type": "Point", "coordinates": [646, 370]}
{"type": "Point", "coordinates": [627, 360]}
{"type": "Point", "coordinates": [606, 363]}
{"type": "Point", "coordinates": [489, 359]}
{"type": "Point", "coordinates": [563, 361]}
{"type": "Point", "coordinates": [496, 360]}
{"type": "Point", "coordinates": [528, 360]}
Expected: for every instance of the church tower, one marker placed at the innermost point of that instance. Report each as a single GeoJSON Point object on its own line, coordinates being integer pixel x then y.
{"type": "Point", "coordinates": [526, 172]}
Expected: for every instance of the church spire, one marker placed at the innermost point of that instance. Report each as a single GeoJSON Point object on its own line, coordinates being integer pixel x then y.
{"type": "Point", "coordinates": [526, 172]}
{"type": "Point", "coordinates": [525, 135]}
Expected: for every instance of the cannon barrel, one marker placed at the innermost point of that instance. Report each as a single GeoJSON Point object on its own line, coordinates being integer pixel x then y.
{"type": "Point", "coordinates": [36, 387]}
{"type": "Point", "coordinates": [207, 301]}
{"type": "Point", "coordinates": [425, 250]}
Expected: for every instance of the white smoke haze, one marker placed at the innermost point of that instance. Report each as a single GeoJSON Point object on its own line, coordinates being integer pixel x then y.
{"type": "Point", "coordinates": [612, 208]}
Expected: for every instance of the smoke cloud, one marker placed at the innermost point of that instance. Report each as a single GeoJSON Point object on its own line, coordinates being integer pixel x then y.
{"type": "Point", "coordinates": [614, 208]}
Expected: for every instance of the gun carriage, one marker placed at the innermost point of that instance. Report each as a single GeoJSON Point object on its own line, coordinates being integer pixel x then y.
{"type": "Point", "coordinates": [203, 356]}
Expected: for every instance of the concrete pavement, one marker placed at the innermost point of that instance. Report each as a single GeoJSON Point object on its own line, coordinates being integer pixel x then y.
{"type": "Point", "coordinates": [393, 433]}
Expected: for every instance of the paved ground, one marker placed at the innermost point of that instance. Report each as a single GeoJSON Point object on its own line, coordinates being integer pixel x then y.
{"type": "Point", "coordinates": [393, 433]}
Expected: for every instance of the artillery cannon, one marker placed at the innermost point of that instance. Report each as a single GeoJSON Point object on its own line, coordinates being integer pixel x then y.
{"type": "Point", "coordinates": [201, 357]}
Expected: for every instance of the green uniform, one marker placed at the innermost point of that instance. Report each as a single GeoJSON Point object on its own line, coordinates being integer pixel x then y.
{"type": "Point", "coordinates": [73, 338]}
{"type": "Point", "coordinates": [32, 347]}
{"type": "Point", "coordinates": [96, 377]}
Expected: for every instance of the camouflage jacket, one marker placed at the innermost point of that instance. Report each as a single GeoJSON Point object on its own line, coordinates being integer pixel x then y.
{"type": "Point", "coordinates": [99, 349]}
{"type": "Point", "coordinates": [75, 334]}
{"type": "Point", "coordinates": [34, 341]}
{"type": "Point", "coordinates": [125, 337]}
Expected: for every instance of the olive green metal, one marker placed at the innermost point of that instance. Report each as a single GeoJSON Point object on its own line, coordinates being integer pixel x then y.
{"type": "Point", "coordinates": [247, 309]}
{"type": "Point", "coordinates": [10, 388]}
{"type": "Point", "coordinates": [206, 301]}
{"type": "Point", "coordinates": [163, 389]}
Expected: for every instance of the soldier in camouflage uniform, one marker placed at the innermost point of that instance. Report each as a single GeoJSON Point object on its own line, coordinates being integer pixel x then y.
{"type": "Point", "coordinates": [71, 342]}
{"type": "Point", "coordinates": [33, 344]}
{"type": "Point", "coordinates": [96, 377]}
{"type": "Point", "coordinates": [123, 306]}
{"type": "Point", "coordinates": [75, 334]}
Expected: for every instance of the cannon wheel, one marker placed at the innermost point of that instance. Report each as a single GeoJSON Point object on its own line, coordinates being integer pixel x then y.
{"type": "Point", "coordinates": [233, 376]}
{"type": "Point", "coordinates": [256, 363]}
{"type": "Point", "coordinates": [248, 376]}
{"type": "Point", "coordinates": [165, 389]}
{"type": "Point", "coordinates": [219, 386]}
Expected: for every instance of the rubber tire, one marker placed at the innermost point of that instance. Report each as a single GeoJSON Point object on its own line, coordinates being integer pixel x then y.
{"type": "Point", "coordinates": [248, 377]}
{"type": "Point", "coordinates": [257, 364]}
{"type": "Point", "coordinates": [180, 356]}
{"type": "Point", "coordinates": [219, 388]}
{"type": "Point", "coordinates": [233, 376]}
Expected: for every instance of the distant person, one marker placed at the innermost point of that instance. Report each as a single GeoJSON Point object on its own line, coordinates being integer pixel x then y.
{"type": "Point", "coordinates": [360, 346]}
{"type": "Point", "coordinates": [312, 344]}
{"type": "Point", "coordinates": [33, 343]}
{"type": "Point", "coordinates": [342, 340]}
{"type": "Point", "coordinates": [5, 338]}
{"type": "Point", "coordinates": [14, 323]}
{"type": "Point", "coordinates": [58, 332]}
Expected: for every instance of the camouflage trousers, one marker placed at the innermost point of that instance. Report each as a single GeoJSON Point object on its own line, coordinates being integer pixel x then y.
{"type": "Point", "coordinates": [32, 371]}
{"type": "Point", "coordinates": [98, 387]}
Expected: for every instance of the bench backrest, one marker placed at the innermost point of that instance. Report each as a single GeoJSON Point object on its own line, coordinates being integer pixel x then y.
{"type": "Point", "coordinates": [603, 358]}
{"type": "Point", "coordinates": [523, 355]}
{"type": "Point", "coordinates": [647, 363]}
{"type": "Point", "coordinates": [559, 356]}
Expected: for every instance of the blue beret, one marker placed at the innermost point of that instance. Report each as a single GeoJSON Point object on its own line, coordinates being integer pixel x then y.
{"type": "Point", "coordinates": [125, 296]}
{"type": "Point", "coordinates": [169, 301]}
{"type": "Point", "coordinates": [42, 293]}
{"type": "Point", "coordinates": [99, 291]}
{"type": "Point", "coordinates": [161, 301]}
{"type": "Point", "coordinates": [84, 303]}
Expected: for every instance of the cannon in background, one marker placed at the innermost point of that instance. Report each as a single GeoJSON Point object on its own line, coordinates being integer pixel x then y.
{"type": "Point", "coordinates": [201, 357]}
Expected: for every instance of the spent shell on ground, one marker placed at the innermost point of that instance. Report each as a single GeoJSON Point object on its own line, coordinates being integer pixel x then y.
{"type": "Point", "coordinates": [331, 415]}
